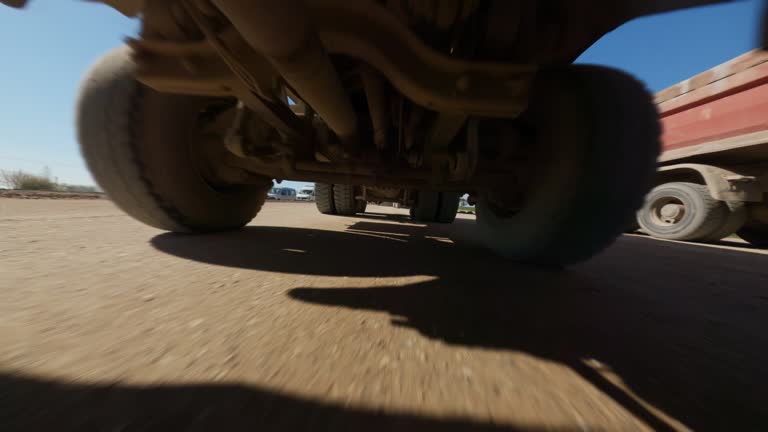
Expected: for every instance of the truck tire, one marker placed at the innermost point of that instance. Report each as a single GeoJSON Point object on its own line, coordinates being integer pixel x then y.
{"type": "Point", "coordinates": [736, 217]}
{"type": "Point", "coordinates": [324, 198]}
{"type": "Point", "coordinates": [596, 132]}
{"type": "Point", "coordinates": [755, 234]}
{"type": "Point", "coordinates": [449, 207]}
{"type": "Point", "coordinates": [424, 207]}
{"type": "Point", "coordinates": [682, 211]}
{"type": "Point", "coordinates": [362, 206]}
{"type": "Point", "coordinates": [140, 146]}
{"type": "Point", "coordinates": [440, 207]}
{"type": "Point", "coordinates": [344, 199]}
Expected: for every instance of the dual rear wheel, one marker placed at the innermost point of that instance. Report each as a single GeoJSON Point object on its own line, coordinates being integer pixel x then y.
{"type": "Point", "coordinates": [431, 206]}
{"type": "Point", "coordinates": [338, 199]}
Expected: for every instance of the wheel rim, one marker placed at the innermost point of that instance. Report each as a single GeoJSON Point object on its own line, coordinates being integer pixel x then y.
{"type": "Point", "coordinates": [667, 211]}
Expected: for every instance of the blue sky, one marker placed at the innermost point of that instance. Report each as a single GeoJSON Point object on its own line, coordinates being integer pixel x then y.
{"type": "Point", "coordinates": [46, 48]}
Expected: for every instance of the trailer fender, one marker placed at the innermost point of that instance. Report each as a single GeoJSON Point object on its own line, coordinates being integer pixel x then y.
{"type": "Point", "coordinates": [724, 184]}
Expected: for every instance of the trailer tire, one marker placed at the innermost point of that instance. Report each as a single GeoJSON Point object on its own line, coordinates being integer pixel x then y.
{"type": "Point", "coordinates": [755, 234]}
{"type": "Point", "coordinates": [735, 219]}
{"type": "Point", "coordinates": [324, 198]}
{"type": "Point", "coordinates": [682, 211]}
{"type": "Point", "coordinates": [139, 145]}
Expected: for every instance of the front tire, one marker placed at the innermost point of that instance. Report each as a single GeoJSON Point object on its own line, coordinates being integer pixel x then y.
{"type": "Point", "coordinates": [142, 148]}
{"type": "Point", "coordinates": [597, 133]}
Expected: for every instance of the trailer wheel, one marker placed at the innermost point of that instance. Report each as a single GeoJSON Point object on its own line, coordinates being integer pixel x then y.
{"type": "Point", "coordinates": [736, 217]}
{"type": "Point", "coordinates": [324, 198]}
{"type": "Point", "coordinates": [596, 134]}
{"type": "Point", "coordinates": [682, 211]}
{"type": "Point", "coordinates": [755, 234]}
{"type": "Point", "coordinates": [144, 149]}
{"type": "Point", "coordinates": [440, 207]}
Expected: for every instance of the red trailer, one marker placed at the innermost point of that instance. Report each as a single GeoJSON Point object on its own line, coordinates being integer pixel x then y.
{"type": "Point", "coordinates": [713, 175]}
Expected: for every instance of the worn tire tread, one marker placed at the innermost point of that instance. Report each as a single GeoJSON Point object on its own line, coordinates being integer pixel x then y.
{"type": "Point", "coordinates": [344, 199]}
{"type": "Point", "coordinates": [324, 198]}
{"type": "Point", "coordinates": [109, 121]}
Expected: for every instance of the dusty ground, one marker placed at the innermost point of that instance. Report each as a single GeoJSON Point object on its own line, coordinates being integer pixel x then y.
{"type": "Point", "coordinates": [28, 194]}
{"type": "Point", "coordinates": [310, 322]}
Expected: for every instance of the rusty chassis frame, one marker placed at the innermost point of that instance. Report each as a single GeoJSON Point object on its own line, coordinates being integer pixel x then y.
{"type": "Point", "coordinates": [363, 30]}
{"type": "Point", "coordinates": [360, 29]}
{"type": "Point", "coordinates": [363, 174]}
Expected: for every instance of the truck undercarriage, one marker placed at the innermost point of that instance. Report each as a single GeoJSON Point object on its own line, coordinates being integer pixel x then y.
{"type": "Point", "coordinates": [187, 124]}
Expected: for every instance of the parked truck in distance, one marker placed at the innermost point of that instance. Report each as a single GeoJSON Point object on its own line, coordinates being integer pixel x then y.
{"type": "Point", "coordinates": [712, 179]}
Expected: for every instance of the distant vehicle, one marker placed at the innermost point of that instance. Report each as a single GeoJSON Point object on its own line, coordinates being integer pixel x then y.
{"type": "Point", "coordinates": [282, 194]}
{"type": "Point", "coordinates": [712, 180]}
{"type": "Point", "coordinates": [307, 193]}
{"type": "Point", "coordinates": [465, 206]}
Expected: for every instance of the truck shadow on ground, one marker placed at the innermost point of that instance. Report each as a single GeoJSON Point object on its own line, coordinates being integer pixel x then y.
{"type": "Point", "coordinates": [738, 244]}
{"type": "Point", "coordinates": [685, 343]}
{"type": "Point", "coordinates": [394, 217]}
{"type": "Point", "coordinates": [728, 242]}
{"type": "Point", "coordinates": [36, 405]}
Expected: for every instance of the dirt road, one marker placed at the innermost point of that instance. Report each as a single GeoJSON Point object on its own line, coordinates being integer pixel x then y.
{"type": "Point", "coordinates": [310, 322]}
